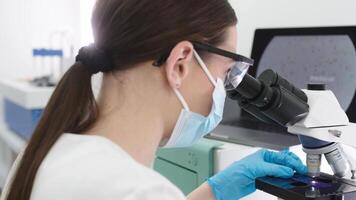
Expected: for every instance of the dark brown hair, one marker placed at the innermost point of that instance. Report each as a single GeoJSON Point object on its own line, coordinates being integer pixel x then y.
{"type": "Point", "coordinates": [130, 32]}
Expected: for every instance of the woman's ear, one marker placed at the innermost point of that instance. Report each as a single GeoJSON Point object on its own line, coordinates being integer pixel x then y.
{"type": "Point", "coordinates": [178, 63]}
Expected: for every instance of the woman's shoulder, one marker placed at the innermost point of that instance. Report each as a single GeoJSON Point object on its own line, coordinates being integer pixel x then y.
{"type": "Point", "coordinates": [96, 166]}
{"type": "Point", "coordinates": [93, 156]}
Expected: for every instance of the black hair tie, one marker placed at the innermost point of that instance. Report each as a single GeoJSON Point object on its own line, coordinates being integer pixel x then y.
{"type": "Point", "coordinates": [95, 59]}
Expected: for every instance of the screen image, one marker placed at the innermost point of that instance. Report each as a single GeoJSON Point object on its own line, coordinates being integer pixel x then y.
{"type": "Point", "coordinates": [330, 60]}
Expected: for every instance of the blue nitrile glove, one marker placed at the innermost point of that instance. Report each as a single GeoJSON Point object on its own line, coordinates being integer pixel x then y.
{"type": "Point", "coordinates": [238, 180]}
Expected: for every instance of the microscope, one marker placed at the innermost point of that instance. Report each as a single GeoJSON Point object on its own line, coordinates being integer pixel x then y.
{"type": "Point", "coordinates": [316, 116]}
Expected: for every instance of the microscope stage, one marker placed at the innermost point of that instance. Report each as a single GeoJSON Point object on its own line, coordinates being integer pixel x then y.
{"type": "Point", "coordinates": [301, 187]}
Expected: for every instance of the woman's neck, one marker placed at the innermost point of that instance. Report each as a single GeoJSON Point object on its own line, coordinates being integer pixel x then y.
{"type": "Point", "coordinates": [130, 119]}
{"type": "Point", "coordinates": [135, 132]}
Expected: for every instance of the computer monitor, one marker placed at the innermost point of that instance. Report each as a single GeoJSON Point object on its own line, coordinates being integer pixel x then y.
{"type": "Point", "coordinates": [303, 55]}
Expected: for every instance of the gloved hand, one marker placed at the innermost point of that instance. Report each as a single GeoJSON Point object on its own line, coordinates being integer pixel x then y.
{"type": "Point", "coordinates": [238, 180]}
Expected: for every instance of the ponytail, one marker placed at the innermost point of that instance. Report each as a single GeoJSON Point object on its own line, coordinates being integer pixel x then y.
{"type": "Point", "coordinates": [71, 108]}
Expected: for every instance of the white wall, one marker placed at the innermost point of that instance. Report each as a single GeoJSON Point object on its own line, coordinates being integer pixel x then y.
{"type": "Point", "coordinates": [254, 14]}
{"type": "Point", "coordinates": [28, 23]}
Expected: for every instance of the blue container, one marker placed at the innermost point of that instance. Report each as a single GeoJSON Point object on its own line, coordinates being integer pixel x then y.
{"type": "Point", "coordinates": [21, 120]}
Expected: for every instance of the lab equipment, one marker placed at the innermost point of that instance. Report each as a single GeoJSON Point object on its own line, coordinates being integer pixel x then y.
{"type": "Point", "coordinates": [291, 109]}
{"type": "Point", "coordinates": [324, 187]}
{"type": "Point", "coordinates": [270, 98]}
{"type": "Point", "coordinates": [25, 99]}
{"type": "Point", "coordinates": [21, 120]}
{"type": "Point", "coordinates": [47, 78]}
{"type": "Point", "coordinates": [275, 100]}
{"type": "Point", "coordinates": [238, 180]}
{"type": "Point", "coordinates": [327, 122]}
{"type": "Point", "coordinates": [50, 60]}
{"type": "Point", "coordinates": [23, 105]}
{"type": "Point", "coordinates": [187, 167]}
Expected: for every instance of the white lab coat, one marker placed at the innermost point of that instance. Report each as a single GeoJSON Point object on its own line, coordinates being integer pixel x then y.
{"type": "Point", "coordinates": [83, 167]}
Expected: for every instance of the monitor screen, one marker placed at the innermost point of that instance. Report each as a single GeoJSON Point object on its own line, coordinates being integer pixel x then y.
{"type": "Point", "coordinates": [304, 55]}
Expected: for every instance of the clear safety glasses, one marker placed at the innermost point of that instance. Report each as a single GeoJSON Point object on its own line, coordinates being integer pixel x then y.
{"type": "Point", "coordinates": [236, 72]}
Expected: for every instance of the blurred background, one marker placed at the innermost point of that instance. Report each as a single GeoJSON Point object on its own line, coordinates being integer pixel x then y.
{"type": "Point", "coordinates": [40, 38]}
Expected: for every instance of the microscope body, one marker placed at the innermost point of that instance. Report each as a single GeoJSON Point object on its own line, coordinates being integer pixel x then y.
{"type": "Point", "coordinates": [321, 133]}
{"type": "Point", "coordinates": [314, 115]}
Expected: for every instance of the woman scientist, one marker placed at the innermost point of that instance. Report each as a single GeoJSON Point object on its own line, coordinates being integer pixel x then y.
{"type": "Point", "coordinates": [164, 63]}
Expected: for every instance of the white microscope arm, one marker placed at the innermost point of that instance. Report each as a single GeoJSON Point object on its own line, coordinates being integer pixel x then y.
{"type": "Point", "coordinates": [326, 120]}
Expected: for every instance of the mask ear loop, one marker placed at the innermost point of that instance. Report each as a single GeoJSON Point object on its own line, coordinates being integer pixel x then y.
{"type": "Point", "coordinates": [205, 68]}
{"type": "Point", "coordinates": [181, 99]}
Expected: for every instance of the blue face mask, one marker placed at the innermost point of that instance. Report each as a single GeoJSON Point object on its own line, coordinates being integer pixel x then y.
{"type": "Point", "coordinates": [192, 126]}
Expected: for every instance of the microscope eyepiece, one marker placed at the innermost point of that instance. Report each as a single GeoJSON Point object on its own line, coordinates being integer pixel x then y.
{"type": "Point", "coordinates": [270, 97]}
{"type": "Point", "coordinates": [271, 78]}
{"type": "Point", "coordinates": [249, 87]}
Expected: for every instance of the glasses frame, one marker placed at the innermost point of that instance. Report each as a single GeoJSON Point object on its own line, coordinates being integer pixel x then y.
{"type": "Point", "coordinates": [208, 48]}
